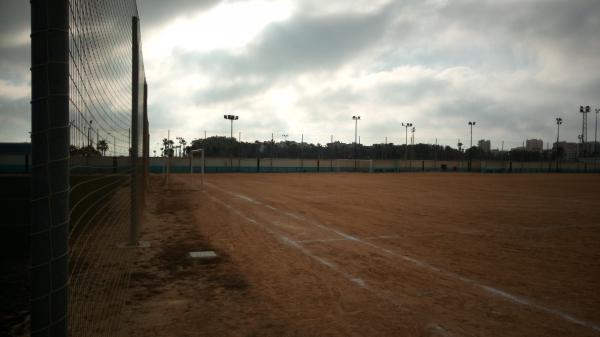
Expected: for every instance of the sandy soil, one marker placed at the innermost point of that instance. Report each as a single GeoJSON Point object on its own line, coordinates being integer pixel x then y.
{"type": "Point", "coordinates": [370, 255]}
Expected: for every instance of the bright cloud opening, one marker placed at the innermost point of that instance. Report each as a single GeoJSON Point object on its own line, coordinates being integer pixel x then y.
{"type": "Point", "coordinates": [227, 26]}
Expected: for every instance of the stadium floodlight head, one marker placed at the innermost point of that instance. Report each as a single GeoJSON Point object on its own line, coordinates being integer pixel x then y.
{"type": "Point", "coordinates": [559, 120]}
{"type": "Point", "coordinates": [356, 117]}
{"type": "Point", "coordinates": [231, 118]}
{"type": "Point", "coordinates": [471, 123]}
{"type": "Point", "coordinates": [584, 109]}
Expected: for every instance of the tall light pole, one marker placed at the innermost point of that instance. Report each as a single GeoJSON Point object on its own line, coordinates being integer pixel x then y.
{"type": "Point", "coordinates": [596, 133]}
{"type": "Point", "coordinates": [559, 121]}
{"type": "Point", "coordinates": [471, 125]}
{"type": "Point", "coordinates": [231, 118]}
{"type": "Point", "coordinates": [412, 142]}
{"type": "Point", "coordinates": [406, 126]}
{"type": "Point", "coordinates": [355, 118]}
{"type": "Point", "coordinates": [89, 132]}
{"type": "Point", "coordinates": [584, 111]}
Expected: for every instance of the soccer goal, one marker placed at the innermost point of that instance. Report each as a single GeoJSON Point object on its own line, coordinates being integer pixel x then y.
{"type": "Point", "coordinates": [197, 166]}
{"type": "Point", "coordinates": [354, 165]}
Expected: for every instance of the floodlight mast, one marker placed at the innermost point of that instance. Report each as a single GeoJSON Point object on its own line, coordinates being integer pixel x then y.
{"type": "Point", "coordinates": [559, 121]}
{"type": "Point", "coordinates": [89, 136]}
{"type": "Point", "coordinates": [356, 119]}
{"type": "Point", "coordinates": [596, 133]}
{"type": "Point", "coordinates": [231, 118]}
{"type": "Point", "coordinates": [584, 111]}
{"type": "Point", "coordinates": [406, 126]}
{"type": "Point", "coordinates": [471, 125]}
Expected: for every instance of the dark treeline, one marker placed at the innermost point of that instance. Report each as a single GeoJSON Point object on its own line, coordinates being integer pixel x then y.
{"type": "Point", "coordinates": [225, 147]}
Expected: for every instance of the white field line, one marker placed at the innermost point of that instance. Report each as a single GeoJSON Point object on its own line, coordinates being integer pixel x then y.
{"type": "Point", "coordinates": [382, 237]}
{"type": "Point", "coordinates": [440, 330]}
{"type": "Point", "coordinates": [490, 290]}
{"type": "Point", "coordinates": [293, 244]}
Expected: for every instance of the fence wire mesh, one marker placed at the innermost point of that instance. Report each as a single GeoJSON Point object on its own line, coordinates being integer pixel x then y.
{"type": "Point", "coordinates": [108, 135]}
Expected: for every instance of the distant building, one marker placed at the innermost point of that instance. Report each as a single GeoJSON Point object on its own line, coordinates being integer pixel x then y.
{"type": "Point", "coordinates": [590, 148]}
{"type": "Point", "coordinates": [535, 145]}
{"type": "Point", "coordinates": [484, 145]}
{"type": "Point", "coordinates": [569, 150]}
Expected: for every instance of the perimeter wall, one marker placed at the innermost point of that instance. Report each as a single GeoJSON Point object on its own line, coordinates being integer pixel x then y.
{"type": "Point", "coordinates": [20, 164]}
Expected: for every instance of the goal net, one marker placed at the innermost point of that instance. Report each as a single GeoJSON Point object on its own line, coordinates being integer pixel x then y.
{"type": "Point", "coordinates": [354, 165]}
{"type": "Point", "coordinates": [197, 168]}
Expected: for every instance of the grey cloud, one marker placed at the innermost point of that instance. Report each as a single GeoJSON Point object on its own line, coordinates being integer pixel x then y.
{"type": "Point", "coordinates": [567, 27]}
{"type": "Point", "coordinates": [14, 64]}
{"type": "Point", "coordinates": [555, 19]}
{"type": "Point", "coordinates": [14, 68]}
{"type": "Point", "coordinates": [155, 12]}
{"type": "Point", "coordinates": [327, 105]}
{"type": "Point", "coordinates": [285, 50]}
{"type": "Point", "coordinates": [409, 92]}
{"type": "Point", "coordinates": [302, 44]}
{"type": "Point", "coordinates": [14, 57]}
{"type": "Point", "coordinates": [228, 92]}
{"type": "Point", "coordinates": [15, 117]}
{"type": "Point", "coordinates": [14, 18]}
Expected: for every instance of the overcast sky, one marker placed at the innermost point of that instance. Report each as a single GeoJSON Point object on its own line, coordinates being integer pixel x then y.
{"type": "Point", "coordinates": [292, 67]}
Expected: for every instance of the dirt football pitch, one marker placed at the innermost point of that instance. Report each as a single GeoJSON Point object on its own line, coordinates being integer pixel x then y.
{"type": "Point", "coordinates": [358, 254]}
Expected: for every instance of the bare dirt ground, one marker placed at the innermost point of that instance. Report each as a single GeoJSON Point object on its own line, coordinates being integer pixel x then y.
{"type": "Point", "coordinates": [370, 255]}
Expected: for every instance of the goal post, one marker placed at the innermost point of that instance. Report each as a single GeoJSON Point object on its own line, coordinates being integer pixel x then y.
{"type": "Point", "coordinates": [354, 165]}
{"type": "Point", "coordinates": [197, 165]}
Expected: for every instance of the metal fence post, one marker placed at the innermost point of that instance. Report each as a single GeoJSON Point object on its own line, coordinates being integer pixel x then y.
{"type": "Point", "coordinates": [146, 145]}
{"type": "Point", "coordinates": [135, 188]}
{"type": "Point", "coordinates": [50, 167]}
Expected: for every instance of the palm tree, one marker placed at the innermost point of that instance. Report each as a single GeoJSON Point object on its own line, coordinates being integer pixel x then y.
{"type": "Point", "coordinates": [168, 147]}
{"type": "Point", "coordinates": [102, 146]}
